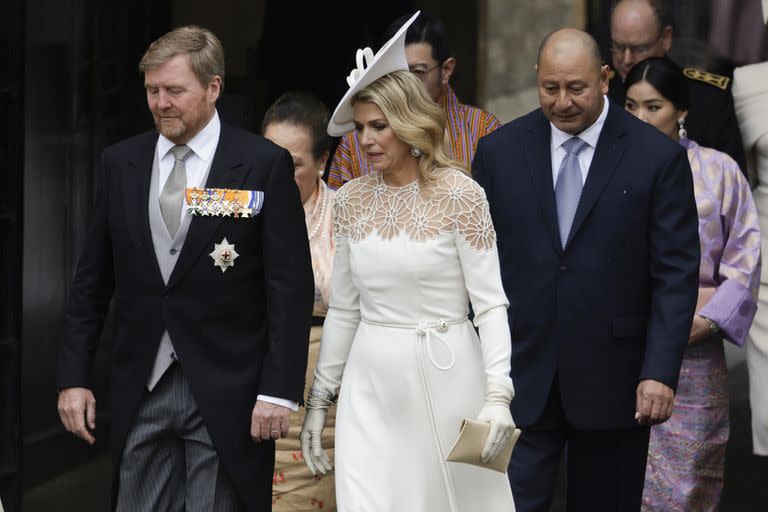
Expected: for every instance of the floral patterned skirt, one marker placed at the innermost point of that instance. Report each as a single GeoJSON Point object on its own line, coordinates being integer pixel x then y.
{"type": "Point", "coordinates": [293, 486]}
{"type": "Point", "coordinates": [686, 455]}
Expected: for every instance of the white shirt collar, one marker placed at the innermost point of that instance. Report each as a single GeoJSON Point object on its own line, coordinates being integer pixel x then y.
{"type": "Point", "coordinates": [590, 135]}
{"type": "Point", "coordinates": [203, 144]}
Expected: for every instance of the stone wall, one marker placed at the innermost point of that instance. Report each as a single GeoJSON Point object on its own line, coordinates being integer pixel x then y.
{"type": "Point", "coordinates": [509, 35]}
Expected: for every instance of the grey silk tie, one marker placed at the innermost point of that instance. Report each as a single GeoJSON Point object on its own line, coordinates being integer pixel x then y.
{"type": "Point", "coordinates": [568, 187]}
{"type": "Point", "coordinates": [172, 196]}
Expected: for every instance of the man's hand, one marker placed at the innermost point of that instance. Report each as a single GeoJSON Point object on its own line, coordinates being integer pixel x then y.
{"type": "Point", "coordinates": [269, 421]}
{"type": "Point", "coordinates": [76, 406]}
{"type": "Point", "coordinates": [654, 402]}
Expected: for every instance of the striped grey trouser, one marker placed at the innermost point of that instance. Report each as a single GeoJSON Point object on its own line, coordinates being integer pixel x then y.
{"type": "Point", "coordinates": [169, 463]}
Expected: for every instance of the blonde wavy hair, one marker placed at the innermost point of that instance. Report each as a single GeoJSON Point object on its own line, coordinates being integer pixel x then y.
{"type": "Point", "coordinates": [414, 117]}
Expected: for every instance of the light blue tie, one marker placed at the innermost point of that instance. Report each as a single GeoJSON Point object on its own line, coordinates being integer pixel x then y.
{"type": "Point", "coordinates": [568, 187]}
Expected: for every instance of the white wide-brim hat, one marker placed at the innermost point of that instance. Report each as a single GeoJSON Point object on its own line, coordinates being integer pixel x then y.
{"type": "Point", "coordinates": [369, 68]}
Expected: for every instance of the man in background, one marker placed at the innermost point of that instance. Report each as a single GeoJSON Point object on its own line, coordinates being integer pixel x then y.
{"type": "Point", "coordinates": [641, 29]}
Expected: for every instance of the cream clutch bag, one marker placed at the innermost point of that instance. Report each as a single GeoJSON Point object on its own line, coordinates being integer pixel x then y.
{"type": "Point", "coordinates": [469, 446]}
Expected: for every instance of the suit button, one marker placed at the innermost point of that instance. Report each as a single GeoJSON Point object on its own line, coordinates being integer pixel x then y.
{"type": "Point", "coordinates": [563, 268]}
{"type": "Point", "coordinates": [173, 252]}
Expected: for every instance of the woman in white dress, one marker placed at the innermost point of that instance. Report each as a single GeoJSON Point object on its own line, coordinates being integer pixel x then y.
{"type": "Point", "coordinates": [414, 246]}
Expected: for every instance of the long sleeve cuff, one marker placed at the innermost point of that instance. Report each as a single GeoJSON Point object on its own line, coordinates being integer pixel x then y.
{"type": "Point", "coordinates": [294, 406]}
{"type": "Point", "coordinates": [496, 346]}
{"type": "Point", "coordinates": [733, 308]}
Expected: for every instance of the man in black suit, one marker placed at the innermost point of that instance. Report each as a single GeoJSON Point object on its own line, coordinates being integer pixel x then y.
{"type": "Point", "coordinates": [598, 242]}
{"type": "Point", "coordinates": [640, 29]}
{"type": "Point", "coordinates": [213, 310]}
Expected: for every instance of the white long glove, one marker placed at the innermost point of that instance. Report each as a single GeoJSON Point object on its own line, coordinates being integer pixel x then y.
{"type": "Point", "coordinates": [496, 411]}
{"type": "Point", "coordinates": [311, 435]}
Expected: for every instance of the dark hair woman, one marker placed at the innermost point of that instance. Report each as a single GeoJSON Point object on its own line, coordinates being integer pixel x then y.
{"type": "Point", "coordinates": [687, 453]}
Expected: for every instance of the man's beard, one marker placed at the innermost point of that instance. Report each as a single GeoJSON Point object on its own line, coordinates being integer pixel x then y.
{"type": "Point", "coordinates": [172, 130]}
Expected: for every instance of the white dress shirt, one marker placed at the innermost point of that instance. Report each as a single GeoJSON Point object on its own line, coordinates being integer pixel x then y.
{"type": "Point", "coordinates": [203, 146]}
{"type": "Point", "coordinates": [590, 136]}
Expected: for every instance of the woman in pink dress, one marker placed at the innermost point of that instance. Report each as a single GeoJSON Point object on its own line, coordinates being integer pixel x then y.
{"type": "Point", "coordinates": [686, 455]}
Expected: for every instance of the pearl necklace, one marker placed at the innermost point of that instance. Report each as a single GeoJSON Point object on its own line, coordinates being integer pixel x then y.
{"type": "Point", "coordinates": [323, 202]}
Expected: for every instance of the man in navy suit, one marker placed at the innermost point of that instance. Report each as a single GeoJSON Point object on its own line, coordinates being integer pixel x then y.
{"type": "Point", "coordinates": [599, 249]}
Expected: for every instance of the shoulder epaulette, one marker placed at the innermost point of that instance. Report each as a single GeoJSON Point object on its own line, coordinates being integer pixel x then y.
{"type": "Point", "coordinates": [719, 81]}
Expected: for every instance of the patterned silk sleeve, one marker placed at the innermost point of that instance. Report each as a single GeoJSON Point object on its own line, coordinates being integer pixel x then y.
{"type": "Point", "coordinates": [490, 123]}
{"type": "Point", "coordinates": [342, 168]}
{"type": "Point", "coordinates": [733, 306]}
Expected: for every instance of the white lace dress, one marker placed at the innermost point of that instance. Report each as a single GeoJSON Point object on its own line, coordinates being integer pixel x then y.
{"type": "Point", "coordinates": [407, 262]}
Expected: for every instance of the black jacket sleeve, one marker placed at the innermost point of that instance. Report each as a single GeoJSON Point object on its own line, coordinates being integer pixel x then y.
{"type": "Point", "coordinates": [674, 270]}
{"type": "Point", "coordinates": [90, 294]}
{"type": "Point", "coordinates": [289, 285]}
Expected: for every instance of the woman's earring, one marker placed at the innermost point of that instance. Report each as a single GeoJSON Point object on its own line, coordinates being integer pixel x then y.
{"type": "Point", "coordinates": [681, 132]}
{"type": "Point", "coordinates": [320, 173]}
{"type": "Point", "coordinates": [416, 151]}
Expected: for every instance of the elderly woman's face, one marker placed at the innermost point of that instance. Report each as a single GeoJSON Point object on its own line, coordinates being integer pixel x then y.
{"type": "Point", "coordinates": [647, 104]}
{"type": "Point", "coordinates": [298, 141]}
{"type": "Point", "coordinates": [382, 147]}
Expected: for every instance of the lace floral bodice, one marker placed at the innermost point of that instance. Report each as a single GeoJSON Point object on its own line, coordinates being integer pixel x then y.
{"type": "Point", "coordinates": [453, 202]}
{"type": "Point", "coordinates": [410, 256]}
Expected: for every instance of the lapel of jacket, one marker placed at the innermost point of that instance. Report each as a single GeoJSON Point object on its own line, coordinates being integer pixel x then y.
{"type": "Point", "coordinates": [136, 184]}
{"type": "Point", "coordinates": [539, 158]}
{"type": "Point", "coordinates": [610, 147]}
{"type": "Point", "coordinates": [227, 171]}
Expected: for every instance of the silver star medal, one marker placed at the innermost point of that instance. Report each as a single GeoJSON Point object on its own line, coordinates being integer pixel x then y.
{"type": "Point", "coordinates": [224, 255]}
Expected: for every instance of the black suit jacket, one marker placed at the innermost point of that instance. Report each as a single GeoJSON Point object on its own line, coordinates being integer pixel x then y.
{"type": "Point", "coordinates": [616, 305]}
{"type": "Point", "coordinates": [236, 334]}
{"type": "Point", "coordinates": [711, 120]}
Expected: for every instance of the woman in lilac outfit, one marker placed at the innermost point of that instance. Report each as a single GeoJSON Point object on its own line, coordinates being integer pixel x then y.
{"type": "Point", "coordinates": [686, 455]}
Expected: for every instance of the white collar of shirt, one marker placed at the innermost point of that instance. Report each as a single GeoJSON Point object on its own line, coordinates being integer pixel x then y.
{"type": "Point", "coordinates": [203, 146]}
{"type": "Point", "coordinates": [590, 136]}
